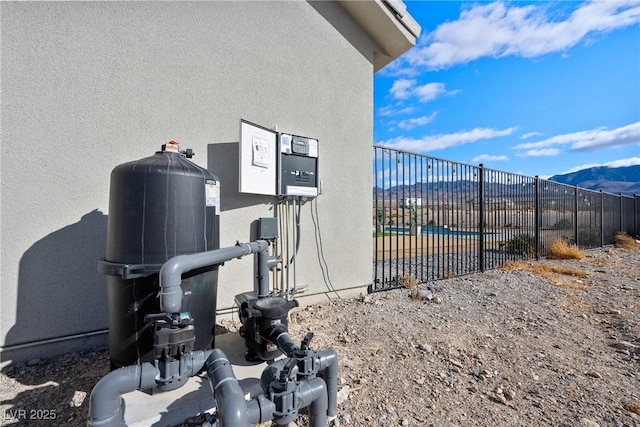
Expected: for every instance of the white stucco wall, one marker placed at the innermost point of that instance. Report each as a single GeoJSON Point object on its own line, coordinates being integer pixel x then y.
{"type": "Point", "coordinates": [88, 86]}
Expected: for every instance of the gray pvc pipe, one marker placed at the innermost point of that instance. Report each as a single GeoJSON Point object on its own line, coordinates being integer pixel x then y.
{"type": "Point", "coordinates": [265, 263]}
{"type": "Point", "coordinates": [283, 340]}
{"type": "Point", "coordinates": [260, 410]}
{"type": "Point", "coordinates": [106, 404]}
{"type": "Point", "coordinates": [106, 407]}
{"type": "Point", "coordinates": [232, 408]}
{"type": "Point", "coordinates": [313, 393]}
{"type": "Point", "coordinates": [172, 270]}
{"type": "Point", "coordinates": [329, 367]}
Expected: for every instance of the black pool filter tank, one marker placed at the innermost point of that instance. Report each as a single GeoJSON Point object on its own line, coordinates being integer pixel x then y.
{"type": "Point", "coordinates": [159, 207]}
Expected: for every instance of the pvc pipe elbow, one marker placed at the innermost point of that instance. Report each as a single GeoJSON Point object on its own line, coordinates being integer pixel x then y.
{"type": "Point", "coordinates": [232, 407]}
{"type": "Point", "coordinates": [105, 403]}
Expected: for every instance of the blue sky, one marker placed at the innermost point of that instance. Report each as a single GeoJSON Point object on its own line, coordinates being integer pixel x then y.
{"type": "Point", "coordinates": [537, 88]}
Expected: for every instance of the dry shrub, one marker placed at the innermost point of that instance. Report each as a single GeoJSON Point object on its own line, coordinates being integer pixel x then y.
{"type": "Point", "coordinates": [542, 269]}
{"type": "Point", "coordinates": [408, 282]}
{"type": "Point", "coordinates": [561, 250]}
{"type": "Point", "coordinates": [624, 241]}
{"type": "Point", "coordinates": [550, 273]}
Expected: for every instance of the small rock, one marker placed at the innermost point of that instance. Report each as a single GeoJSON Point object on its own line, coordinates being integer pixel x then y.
{"type": "Point", "coordinates": [423, 295]}
{"type": "Point", "coordinates": [78, 399]}
{"type": "Point", "coordinates": [420, 381]}
{"type": "Point", "coordinates": [586, 422]}
{"type": "Point", "coordinates": [404, 422]}
{"type": "Point", "coordinates": [437, 300]}
{"type": "Point", "coordinates": [487, 374]}
{"type": "Point", "coordinates": [594, 374]}
{"type": "Point", "coordinates": [425, 347]}
{"type": "Point", "coordinates": [456, 363]}
{"type": "Point", "coordinates": [509, 394]}
{"type": "Point", "coordinates": [34, 362]}
{"type": "Point", "coordinates": [449, 381]}
{"type": "Point", "coordinates": [343, 394]}
{"type": "Point", "coordinates": [346, 418]}
{"type": "Point", "coordinates": [365, 299]}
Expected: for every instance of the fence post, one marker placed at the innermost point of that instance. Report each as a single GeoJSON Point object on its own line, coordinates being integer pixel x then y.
{"type": "Point", "coordinates": [636, 226]}
{"type": "Point", "coordinates": [481, 214]}
{"type": "Point", "coordinates": [601, 219]}
{"type": "Point", "coordinates": [536, 215]}
{"type": "Point", "coordinates": [575, 217]}
{"type": "Point", "coordinates": [621, 216]}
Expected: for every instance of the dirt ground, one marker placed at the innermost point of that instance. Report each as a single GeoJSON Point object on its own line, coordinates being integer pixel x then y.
{"type": "Point", "coordinates": [501, 348]}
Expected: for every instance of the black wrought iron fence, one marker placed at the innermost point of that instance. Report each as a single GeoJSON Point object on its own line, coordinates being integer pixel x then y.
{"type": "Point", "coordinates": [435, 218]}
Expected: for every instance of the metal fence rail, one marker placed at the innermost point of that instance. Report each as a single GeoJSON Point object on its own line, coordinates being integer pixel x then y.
{"type": "Point", "coordinates": [435, 218]}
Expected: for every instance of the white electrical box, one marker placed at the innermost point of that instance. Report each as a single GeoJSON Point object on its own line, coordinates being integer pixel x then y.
{"type": "Point", "coordinates": [258, 159]}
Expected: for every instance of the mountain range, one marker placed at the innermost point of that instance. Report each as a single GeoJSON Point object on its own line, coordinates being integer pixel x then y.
{"type": "Point", "coordinates": [625, 180]}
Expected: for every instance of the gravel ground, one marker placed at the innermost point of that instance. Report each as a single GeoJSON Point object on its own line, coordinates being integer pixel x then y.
{"type": "Point", "coordinates": [502, 348]}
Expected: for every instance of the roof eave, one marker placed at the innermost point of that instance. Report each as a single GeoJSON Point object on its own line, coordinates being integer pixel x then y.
{"type": "Point", "coordinates": [388, 24]}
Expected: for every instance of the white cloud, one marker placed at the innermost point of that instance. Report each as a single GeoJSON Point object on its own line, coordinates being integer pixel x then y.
{"type": "Point", "coordinates": [401, 88]}
{"type": "Point", "coordinates": [530, 135]}
{"type": "Point", "coordinates": [595, 139]}
{"type": "Point", "coordinates": [440, 142]}
{"type": "Point", "coordinates": [390, 111]}
{"type": "Point", "coordinates": [430, 91]}
{"type": "Point", "coordinates": [503, 29]}
{"type": "Point", "coordinates": [488, 158]}
{"type": "Point", "coordinates": [404, 88]}
{"type": "Point", "coordinates": [541, 152]}
{"type": "Point", "coordinates": [626, 135]}
{"type": "Point", "coordinates": [416, 121]}
{"type": "Point", "coordinates": [631, 161]}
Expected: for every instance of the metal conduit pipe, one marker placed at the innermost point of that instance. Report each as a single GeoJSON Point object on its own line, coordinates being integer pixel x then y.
{"type": "Point", "coordinates": [232, 407]}
{"type": "Point", "coordinates": [106, 406]}
{"type": "Point", "coordinates": [172, 270]}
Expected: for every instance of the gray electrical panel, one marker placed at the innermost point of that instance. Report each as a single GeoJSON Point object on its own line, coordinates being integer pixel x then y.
{"type": "Point", "coordinates": [298, 166]}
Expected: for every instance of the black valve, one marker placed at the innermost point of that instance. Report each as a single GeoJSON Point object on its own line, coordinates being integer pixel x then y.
{"type": "Point", "coordinates": [304, 345]}
{"type": "Point", "coordinates": [287, 373]}
{"type": "Point", "coordinates": [166, 320]}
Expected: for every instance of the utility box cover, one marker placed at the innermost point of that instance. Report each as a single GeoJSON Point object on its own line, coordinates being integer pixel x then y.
{"type": "Point", "coordinates": [258, 159]}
